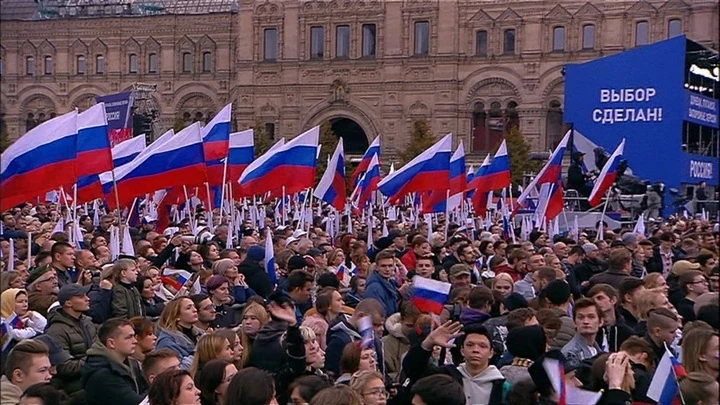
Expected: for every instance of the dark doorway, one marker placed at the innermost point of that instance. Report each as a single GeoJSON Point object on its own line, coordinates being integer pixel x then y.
{"type": "Point", "coordinates": [354, 139]}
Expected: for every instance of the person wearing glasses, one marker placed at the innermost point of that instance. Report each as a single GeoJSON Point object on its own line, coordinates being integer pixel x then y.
{"type": "Point", "coordinates": [371, 387]}
{"type": "Point", "coordinates": [693, 284]}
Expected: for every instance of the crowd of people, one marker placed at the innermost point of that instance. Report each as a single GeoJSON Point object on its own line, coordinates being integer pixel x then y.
{"type": "Point", "coordinates": [81, 326]}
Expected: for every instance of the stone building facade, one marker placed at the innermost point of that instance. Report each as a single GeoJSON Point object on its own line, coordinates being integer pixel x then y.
{"type": "Point", "coordinates": [471, 67]}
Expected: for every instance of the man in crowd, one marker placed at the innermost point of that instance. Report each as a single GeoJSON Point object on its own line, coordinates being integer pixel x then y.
{"type": "Point", "coordinates": [26, 364]}
{"type": "Point", "coordinates": [381, 284]}
{"type": "Point", "coordinates": [588, 320]}
{"type": "Point", "coordinates": [629, 291]}
{"type": "Point", "coordinates": [619, 267]}
{"type": "Point", "coordinates": [63, 261]}
{"type": "Point", "coordinates": [614, 331]}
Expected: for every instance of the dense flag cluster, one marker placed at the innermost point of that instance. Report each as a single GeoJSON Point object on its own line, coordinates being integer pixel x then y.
{"type": "Point", "coordinates": [72, 153]}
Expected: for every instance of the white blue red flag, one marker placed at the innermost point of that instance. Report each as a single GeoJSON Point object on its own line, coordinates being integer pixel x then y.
{"type": "Point", "coordinates": [331, 187]}
{"type": "Point", "coordinates": [607, 176]}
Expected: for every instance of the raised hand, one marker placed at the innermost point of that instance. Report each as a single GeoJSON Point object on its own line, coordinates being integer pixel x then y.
{"type": "Point", "coordinates": [285, 314]}
{"type": "Point", "coordinates": [442, 335]}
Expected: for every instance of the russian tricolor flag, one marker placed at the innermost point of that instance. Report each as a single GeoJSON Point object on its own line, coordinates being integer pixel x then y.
{"type": "Point", "coordinates": [41, 160]}
{"type": "Point", "coordinates": [240, 154]}
{"type": "Point", "coordinates": [607, 176]}
{"type": "Point", "coordinates": [126, 151]}
{"type": "Point", "coordinates": [331, 187]}
{"type": "Point", "coordinates": [479, 199]}
{"type": "Point", "coordinates": [430, 295]}
{"type": "Point", "coordinates": [373, 149]}
{"type": "Point", "coordinates": [550, 173]}
{"type": "Point", "coordinates": [90, 187]}
{"type": "Point", "coordinates": [93, 145]}
{"type": "Point", "coordinates": [291, 166]}
{"type": "Point", "coordinates": [497, 174]}
{"type": "Point", "coordinates": [368, 184]}
{"type": "Point", "coordinates": [664, 385]}
{"type": "Point", "coordinates": [437, 200]}
{"type": "Point", "coordinates": [216, 135]}
{"type": "Point", "coordinates": [179, 161]}
{"type": "Point", "coordinates": [427, 171]}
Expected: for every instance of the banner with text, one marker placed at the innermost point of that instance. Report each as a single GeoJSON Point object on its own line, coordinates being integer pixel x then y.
{"type": "Point", "coordinates": [701, 110]}
{"type": "Point", "coordinates": [117, 110]}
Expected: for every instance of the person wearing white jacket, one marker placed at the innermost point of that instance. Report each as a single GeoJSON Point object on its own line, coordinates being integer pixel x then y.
{"type": "Point", "coordinates": [18, 322]}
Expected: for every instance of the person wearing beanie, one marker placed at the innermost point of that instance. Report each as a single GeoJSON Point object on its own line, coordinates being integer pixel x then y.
{"type": "Point", "coordinates": [591, 265]}
{"type": "Point", "coordinates": [557, 295]}
{"type": "Point", "coordinates": [526, 344]}
{"type": "Point", "coordinates": [255, 276]}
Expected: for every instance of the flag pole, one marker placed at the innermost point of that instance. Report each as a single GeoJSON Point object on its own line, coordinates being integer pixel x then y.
{"type": "Point", "coordinates": [677, 381]}
{"type": "Point", "coordinates": [222, 192]}
{"type": "Point", "coordinates": [117, 196]}
{"type": "Point", "coordinates": [284, 208]}
{"type": "Point", "coordinates": [602, 218]}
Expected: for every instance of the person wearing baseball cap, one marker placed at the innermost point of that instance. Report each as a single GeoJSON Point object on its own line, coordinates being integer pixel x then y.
{"type": "Point", "coordinates": [74, 332]}
{"type": "Point", "coordinates": [459, 275]}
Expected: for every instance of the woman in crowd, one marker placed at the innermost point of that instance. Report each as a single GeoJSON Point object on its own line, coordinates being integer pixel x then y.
{"type": "Point", "coordinates": [152, 303]}
{"type": "Point", "coordinates": [173, 387]}
{"type": "Point", "coordinates": [355, 358]}
{"type": "Point", "coordinates": [701, 352]}
{"type": "Point", "coordinates": [161, 292]}
{"type": "Point", "coordinates": [11, 279]}
{"type": "Point", "coordinates": [145, 336]}
{"type": "Point", "coordinates": [335, 258]}
{"type": "Point", "coordinates": [213, 381]}
{"type": "Point", "coordinates": [251, 386]}
{"type": "Point", "coordinates": [362, 263]}
{"type": "Point", "coordinates": [357, 289]}
{"type": "Point", "coordinates": [337, 395]}
{"type": "Point", "coordinates": [235, 343]}
{"type": "Point", "coordinates": [655, 282]}
{"type": "Point", "coordinates": [329, 304]}
{"type": "Point", "coordinates": [177, 330]}
{"type": "Point", "coordinates": [503, 283]}
{"type": "Point", "coordinates": [304, 388]}
{"type": "Point", "coordinates": [371, 387]}
{"type": "Point", "coordinates": [210, 347]}
{"type": "Point", "coordinates": [254, 317]}
{"type": "Point", "coordinates": [698, 389]}
{"type": "Point", "coordinates": [19, 321]}
{"type": "Point", "coordinates": [218, 288]}
{"type": "Point", "coordinates": [210, 252]}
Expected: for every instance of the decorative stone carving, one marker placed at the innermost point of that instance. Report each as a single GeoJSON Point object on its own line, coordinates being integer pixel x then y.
{"type": "Point", "coordinates": [338, 91]}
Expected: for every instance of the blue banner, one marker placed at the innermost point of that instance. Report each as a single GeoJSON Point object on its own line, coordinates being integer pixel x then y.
{"type": "Point", "coordinates": [117, 110]}
{"type": "Point", "coordinates": [639, 95]}
{"type": "Point", "coordinates": [701, 110]}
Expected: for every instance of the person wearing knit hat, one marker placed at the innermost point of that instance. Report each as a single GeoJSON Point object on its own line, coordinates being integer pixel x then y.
{"type": "Point", "coordinates": [526, 344]}
{"type": "Point", "coordinates": [255, 276]}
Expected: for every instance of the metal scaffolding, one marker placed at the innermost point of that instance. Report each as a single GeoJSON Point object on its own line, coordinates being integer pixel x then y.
{"type": "Point", "coordinates": [54, 9]}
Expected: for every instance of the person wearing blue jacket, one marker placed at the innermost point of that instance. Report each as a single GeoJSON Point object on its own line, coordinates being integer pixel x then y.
{"type": "Point", "coordinates": [380, 285]}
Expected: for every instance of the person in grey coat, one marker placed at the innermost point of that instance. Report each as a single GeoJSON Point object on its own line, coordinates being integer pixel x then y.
{"type": "Point", "coordinates": [588, 319]}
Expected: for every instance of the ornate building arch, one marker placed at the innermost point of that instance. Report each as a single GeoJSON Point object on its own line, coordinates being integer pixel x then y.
{"type": "Point", "coordinates": [493, 104]}
{"type": "Point", "coordinates": [195, 106]}
{"type": "Point", "coordinates": [35, 110]}
{"type": "Point", "coordinates": [355, 111]}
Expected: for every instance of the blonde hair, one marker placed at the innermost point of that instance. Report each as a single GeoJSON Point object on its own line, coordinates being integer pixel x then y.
{"type": "Point", "coordinates": [652, 280]}
{"type": "Point", "coordinates": [209, 347]}
{"type": "Point", "coordinates": [308, 334]}
{"type": "Point", "coordinates": [170, 314]}
{"type": "Point", "coordinates": [232, 338]}
{"type": "Point", "coordinates": [332, 255]}
{"type": "Point", "coordinates": [503, 277]}
{"type": "Point", "coordinates": [646, 302]}
{"type": "Point", "coordinates": [694, 345]}
{"type": "Point", "coordinates": [258, 311]}
{"type": "Point", "coordinates": [360, 379]}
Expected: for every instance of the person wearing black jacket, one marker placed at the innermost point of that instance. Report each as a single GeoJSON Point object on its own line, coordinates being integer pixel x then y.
{"type": "Point", "coordinates": [279, 347]}
{"type": "Point", "coordinates": [255, 276]}
{"type": "Point", "coordinates": [614, 331]}
{"type": "Point", "coordinates": [590, 266]}
{"type": "Point", "coordinates": [482, 383]}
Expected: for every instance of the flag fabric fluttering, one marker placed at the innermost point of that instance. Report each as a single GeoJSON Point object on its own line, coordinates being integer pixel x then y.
{"type": "Point", "coordinates": [639, 228]}
{"type": "Point", "coordinates": [607, 176]}
{"type": "Point", "coordinates": [93, 145]}
{"type": "Point", "coordinates": [479, 199]}
{"type": "Point", "coordinates": [367, 185]}
{"type": "Point", "coordinates": [126, 151]}
{"type": "Point", "coordinates": [567, 394]}
{"type": "Point", "coordinates": [441, 201]}
{"type": "Point", "coordinates": [373, 149]}
{"type": "Point", "coordinates": [216, 135]}
{"type": "Point", "coordinates": [270, 258]}
{"type": "Point", "coordinates": [430, 295]}
{"type": "Point", "coordinates": [496, 175]}
{"type": "Point", "coordinates": [331, 187]}
{"type": "Point", "coordinates": [291, 166]}
{"type": "Point", "coordinates": [427, 171]}
{"type": "Point", "coordinates": [664, 385]}
{"type": "Point", "coordinates": [365, 327]}
{"type": "Point", "coordinates": [550, 173]}
{"type": "Point", "coordinates": [39, 161]}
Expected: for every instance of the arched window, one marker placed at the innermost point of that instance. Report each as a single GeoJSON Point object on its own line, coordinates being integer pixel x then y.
{"type": "Point", "coordinates": [30, 122]}
{"type": "Point", "coordinates": [198, 117]}
{"type": "Point", "coordinates": [207, 62]}
{"type": "Point", "coordinates": [554, 127]}
{"type": "Point", "coordinates": [187, 62]}
{"type": "Point", "coordinates": [559, 39]}
{"type": "Point", "coordinates": [479, 128]}
{"type": "Point", "coordinates": [674, 27]}
{"type": "Point", "coordinates": [588, 36]}
{"type": "Point", "coordinates": [132, 63]}
{"type": "Point", "coordinates": [512, 119]}
{"type": "Point", "coordinates": [642, 33]}
{"type": "Point", "coordinates": [152, 63]}
{"type": "Point", "coordinates": [30, 66]}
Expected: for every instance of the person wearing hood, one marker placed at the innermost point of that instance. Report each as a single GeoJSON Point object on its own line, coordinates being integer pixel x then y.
{"type": "Point", "coordinates": [478, 310]}
{"type": "Point", "coordinates": [110, 376]}
{"type": "Point", "coordinates": [526, 344]}
{"type": "Point", "coordinates": [344, 330]}
{"type": "Point", "coordinates": [396, 343]}
{"type": "Point", "coordinates": [380, 285]}
{"type": "Point", "coordinates": [255, 276]}
{"type": "Point", "coordinates": [75, 333]}
{"type": "Point", "coordinates": [614, 330]}
{"type": "Point", "coordinates": [20, 323]}
{"type": "Point", "coordinates": [482, 383]}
